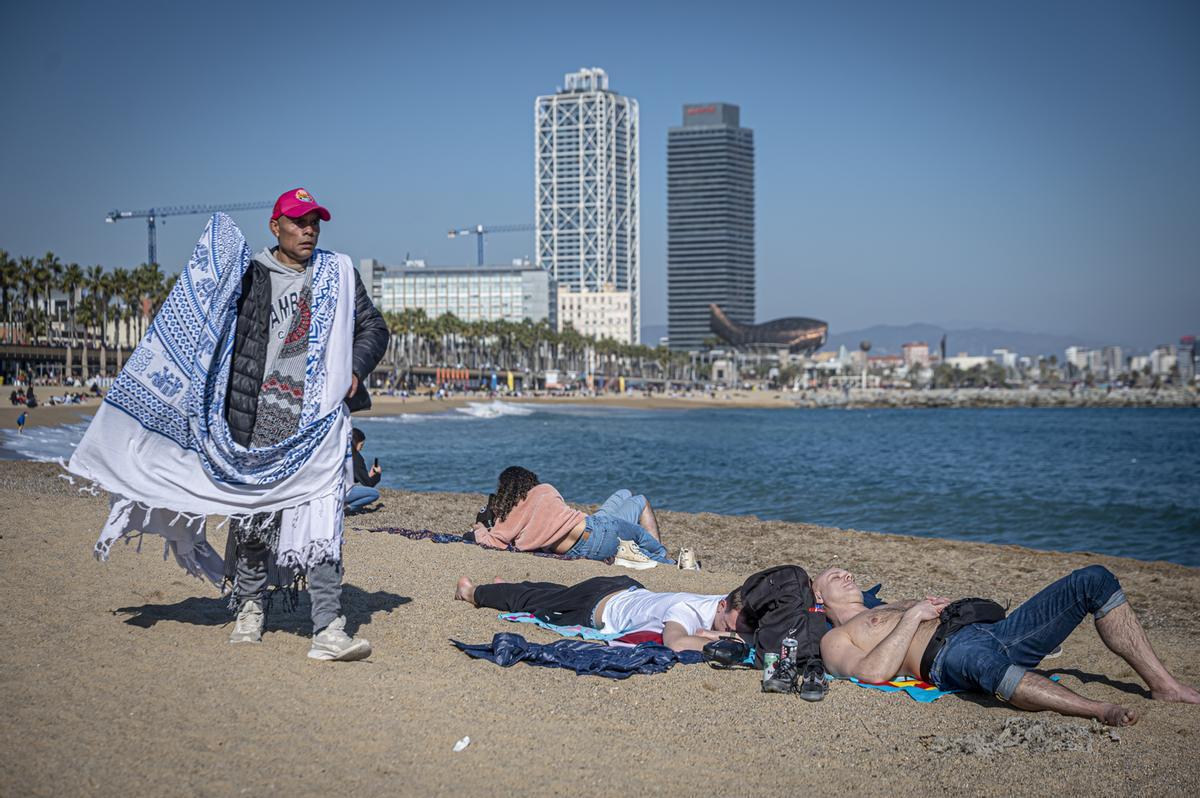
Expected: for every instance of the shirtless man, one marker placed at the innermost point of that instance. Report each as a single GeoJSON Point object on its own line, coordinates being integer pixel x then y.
{"type": "Point", "coordinates": [882, 643]}
{"type": "Point", "coordinates": [616, 604]}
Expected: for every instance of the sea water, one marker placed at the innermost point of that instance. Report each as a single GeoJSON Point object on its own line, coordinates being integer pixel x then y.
{"type": "Point", "coordinates": [1117, 481]}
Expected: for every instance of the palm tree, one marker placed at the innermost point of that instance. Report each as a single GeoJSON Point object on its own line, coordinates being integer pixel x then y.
{"type": "Point", "coordinates": [85, 315]}
{"type": "Point", "coordinates": [25, 279]}
{"type": "Point", "coordinates": [131, 296]}
{"type": "Point", "coordinates": [50, 270]}
{"type": "Point", "coordinates": [98, 292]}
{"type": "Point", "coordinates": [70, 283]}
{"type": "Point", "coordinates": [9, 282]}
{"type": "Point", "coordinates": [164, 290]}
{"type": "Point", "coordinates": [148, 279]}
{"type": "Point", "coordinates": [37, 276]}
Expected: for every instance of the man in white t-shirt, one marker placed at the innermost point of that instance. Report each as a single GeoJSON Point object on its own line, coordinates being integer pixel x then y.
{"type": "Point", "coordinates": [616, 605]}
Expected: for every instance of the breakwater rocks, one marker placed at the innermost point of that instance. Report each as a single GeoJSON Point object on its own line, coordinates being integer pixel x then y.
{"type": "Point", "coordinates": [999, 397]}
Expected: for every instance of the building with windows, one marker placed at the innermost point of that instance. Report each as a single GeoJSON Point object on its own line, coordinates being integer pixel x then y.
{"type": "Point", "coordinates": [1077, 357]}
{"type": "Point", "coordinates": [710, 222]}
{"type": "Point", "coordinates": [587, 195]}
{"type": "Point", "coordinates": [1114, 361]}
{"type": "Point", "coordinates": [490, 293]}
{"type": "Point", "coordinates": [916, 353]}
{"type": "Point", "coordinates": [1185, 358]}
{"type": "Point", "coordinates": [598, 314]}
{"type": "Point", "coordinates": [1162, 360]}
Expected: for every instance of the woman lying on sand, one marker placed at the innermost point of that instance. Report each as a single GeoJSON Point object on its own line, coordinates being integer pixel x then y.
{"type": "Point", "coordinates": [532, 516]}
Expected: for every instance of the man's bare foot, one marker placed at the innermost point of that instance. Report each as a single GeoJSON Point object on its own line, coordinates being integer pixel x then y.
{"type": "Point", "coordinates": [465, 591]}
{"type": "Point", "coordinates": [1177, 693]}
{"type": "Point", "coordinates": [1117, 715]}
{"type": "Point", "coordinates": [499, 581]}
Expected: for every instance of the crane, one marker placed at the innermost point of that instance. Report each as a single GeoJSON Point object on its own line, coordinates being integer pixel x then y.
{"type": "Point", "coordinates": [479, 231]}
{"type": "Point", "coordinates": [153, 214]}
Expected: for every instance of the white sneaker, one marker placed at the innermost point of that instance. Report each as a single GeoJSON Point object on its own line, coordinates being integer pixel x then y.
{"type": "Point", "coordinates": [249, 625]}
{"type": "Point", "coordinates": [332, 643]}
{"type": "Point", "coordinates": [687, 560]}
{"type": "Point", "coordinates": [630, 556]}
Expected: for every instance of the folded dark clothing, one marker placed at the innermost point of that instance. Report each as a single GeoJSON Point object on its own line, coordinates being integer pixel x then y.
{"type": "Point", "coordinates": [586, 659]}
{"type": "Point", "coordinates": [443, 537]}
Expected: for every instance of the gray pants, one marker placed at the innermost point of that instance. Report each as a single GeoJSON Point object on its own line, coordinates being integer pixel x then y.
{"type": "Point", "coordinates": [324, 583]}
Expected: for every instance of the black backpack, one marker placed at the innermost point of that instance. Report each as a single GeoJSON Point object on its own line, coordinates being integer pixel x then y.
{"type": "Point", "coordinates": [779, 603]}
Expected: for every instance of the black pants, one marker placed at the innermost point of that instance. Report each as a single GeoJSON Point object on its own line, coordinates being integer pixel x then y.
{"type": "Point", "coordinates": [556, 604]}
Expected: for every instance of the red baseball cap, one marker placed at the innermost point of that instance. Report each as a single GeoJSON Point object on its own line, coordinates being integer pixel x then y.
{"type": "Point", "coordinates": [297, 202]}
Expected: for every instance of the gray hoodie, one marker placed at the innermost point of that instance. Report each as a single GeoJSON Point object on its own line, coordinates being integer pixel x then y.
{"type": "Point", "coordinates": [286, 284]}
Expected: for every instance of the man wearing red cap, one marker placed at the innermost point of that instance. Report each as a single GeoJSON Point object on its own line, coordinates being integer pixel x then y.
{"type": "Point", "coordinates": [265, 399]}
{"type": "Point", "coordinates": [237, 403]}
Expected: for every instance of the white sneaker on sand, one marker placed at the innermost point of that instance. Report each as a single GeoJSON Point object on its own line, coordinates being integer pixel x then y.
{"type": "Point", "coordinates": [630, 556]}
{"type": "Point", "coordinates": [248, 627]}
{"type": "Point", "coordinates": [687, 560]}
{"type": "Point", "coordinates": [332, 643]}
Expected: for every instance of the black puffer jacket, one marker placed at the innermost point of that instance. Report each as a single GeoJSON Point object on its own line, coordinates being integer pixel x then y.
{"type": "Point", "coordinates": [250, 349]}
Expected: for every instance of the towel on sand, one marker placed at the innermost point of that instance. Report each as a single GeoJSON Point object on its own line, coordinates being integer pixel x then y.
{"type": "Point", "coordinates": [586, 659]}
{"type": "Point", "coordinates": [914, 688]}
{"type": "Point", "coordinates": [584, 632]}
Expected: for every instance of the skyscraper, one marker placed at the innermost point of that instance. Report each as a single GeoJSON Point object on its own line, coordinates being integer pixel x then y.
{"type": "Point", "coordinates": [710, 222]}
{"type": "Point", "coordinates": [588, 204]}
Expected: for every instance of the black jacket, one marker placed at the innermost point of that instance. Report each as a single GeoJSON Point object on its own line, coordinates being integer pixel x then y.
{"type": "Point", "coordinates": [779, 603]}
{"type": "Point", "coordinates": [250, 349]}
{"type": "Point", "coordinates": [361, 475]}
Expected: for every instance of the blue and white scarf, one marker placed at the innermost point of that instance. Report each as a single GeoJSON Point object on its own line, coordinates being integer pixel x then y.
{"type": "Point", "coordinates": [159, 442]}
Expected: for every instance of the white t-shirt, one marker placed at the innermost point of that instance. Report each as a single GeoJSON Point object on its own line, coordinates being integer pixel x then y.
{"type": "Point", "coordinates": [640, 610]}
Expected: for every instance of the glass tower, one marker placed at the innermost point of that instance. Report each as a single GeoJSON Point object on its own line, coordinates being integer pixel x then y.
{"type": "Point", "coordinates": [587, 196]}
{"type": "Point", "coordinates": [710, 222]}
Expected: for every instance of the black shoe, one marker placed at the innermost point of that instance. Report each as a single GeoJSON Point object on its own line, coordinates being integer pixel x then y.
{"type": "Point", "coordinates": [813, 686]}
{"type": "Point", "coordinates": [783, 680]}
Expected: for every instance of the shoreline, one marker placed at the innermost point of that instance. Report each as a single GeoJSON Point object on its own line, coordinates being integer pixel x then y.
{"type": "Point", "coordinates": [135, 649]}
{"type": "Point", "coordinates": [857, 399]}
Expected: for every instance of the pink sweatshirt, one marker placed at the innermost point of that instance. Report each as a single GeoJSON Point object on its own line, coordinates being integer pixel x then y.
{"type": "Point", "coordinates": [538, 521]}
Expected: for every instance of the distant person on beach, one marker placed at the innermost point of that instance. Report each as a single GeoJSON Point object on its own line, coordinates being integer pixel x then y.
{"type": "Point", "coordinates": [532, 516]}
{"type": "Point", "coordinates": [298, 336]}
{"type": "Point", "coordinates": [991, 656]}
{"type": "Point", "coordinates": [617, 605]}
{"type": "Point", "coordinates": [21, 422]}
{"type": "Point", "coordinates": [363, 492]}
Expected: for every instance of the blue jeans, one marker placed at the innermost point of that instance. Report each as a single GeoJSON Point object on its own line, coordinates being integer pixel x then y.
{"type": "Point", "coordinates": [617, 520]}
{"type": "Point", "coordinates": [360, 496]}
{"type": "Point", "coordinates": [992, 658]}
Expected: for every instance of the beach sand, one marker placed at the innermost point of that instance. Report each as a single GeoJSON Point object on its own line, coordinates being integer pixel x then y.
{"type": "Point", "coordinates": [118, 680]}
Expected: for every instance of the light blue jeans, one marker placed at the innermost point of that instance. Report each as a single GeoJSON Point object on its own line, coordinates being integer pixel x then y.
{"type": "Point", "coordinates": [992, 657]}
{"type": "Point", "coordinates": [360, 496]}
{"type": "Point", "coordinates": [617, 520]}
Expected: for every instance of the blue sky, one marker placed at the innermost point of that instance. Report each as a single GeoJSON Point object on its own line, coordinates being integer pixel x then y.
{"type": "Point", "coordinates": [1032, 165]}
